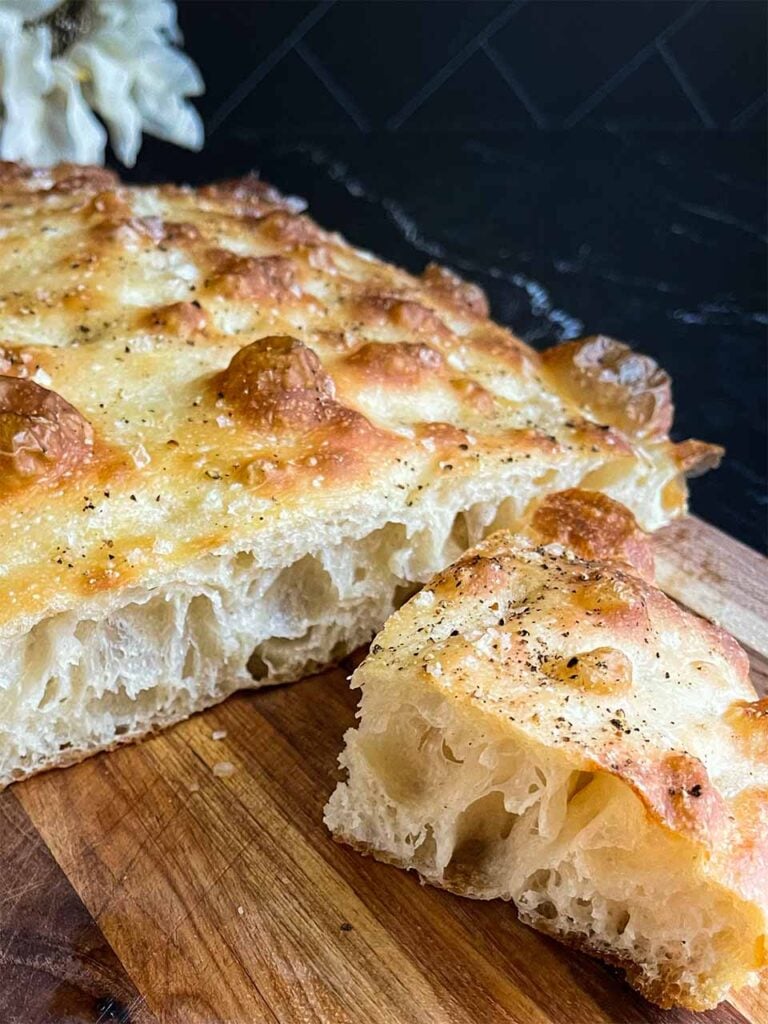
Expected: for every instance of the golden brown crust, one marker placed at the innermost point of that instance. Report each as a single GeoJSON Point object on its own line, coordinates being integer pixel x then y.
{"type": "Point", "coordinates": [462, 295]}
{"type": "Point", "coordinates": [505, 349]}
{"type": "Point", "coordinates": [397, 364]}
{"type": "Point", "coordinates": [42, 437]}
{"type": "Point", "coordinates": [131, 303]}
{"type": "Point", "coordinates": [16, 361]}
{"type": "Point", "coordinates": [75, 178]}
{"type": "Point", "coordinates": [745, 861]}
{"type": "Point", "coordinates": [263, 278]}
{"type": "Point", "coordinates": [64, 177]}
{"type": "Point", "coordinates": [290, 229]}
{"type": "Point", "coordinates": [379, 309]}
{"type": "Point", "coordinates": [677, 790]}
{"type": "Point", "coordinates": [620, 387]}
{"type": "Point", "coordinates": [594, 527]}
{"type": "Point", "coordinates": [250, 196]}
{"type": "Point", "coordinates": [749, 721]}
{"type": "Point", "coordinates": [697, 457]}
{"type": "Point", "coordinates": [278, 381]}
{"type": "Point", "coordinates": [182, 320]}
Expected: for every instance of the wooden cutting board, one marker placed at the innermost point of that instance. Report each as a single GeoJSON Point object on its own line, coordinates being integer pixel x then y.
{"type": "Point", "coordinates": [142, 887]}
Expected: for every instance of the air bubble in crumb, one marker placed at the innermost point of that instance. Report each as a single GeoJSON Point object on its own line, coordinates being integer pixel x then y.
{"type": "Point", "coordinates": [219, 734]}
{"type": "Point", "coordinates": [223, 769]}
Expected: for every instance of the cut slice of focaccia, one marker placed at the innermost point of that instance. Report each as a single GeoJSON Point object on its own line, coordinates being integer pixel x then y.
{"type": "Point", "coordinates": [541, 724]}
{"type": "Point", "coordinates": [230, 443]}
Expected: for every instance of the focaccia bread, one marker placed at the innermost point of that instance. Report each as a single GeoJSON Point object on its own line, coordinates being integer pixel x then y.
{"type": "Point", "coordinates": [547, 727]}
{"type": "Point", "coordinates": [230, 443]}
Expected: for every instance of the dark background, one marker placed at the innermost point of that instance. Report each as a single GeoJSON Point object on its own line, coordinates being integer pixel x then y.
{"type": "Point", "coordinates": [597, 165]}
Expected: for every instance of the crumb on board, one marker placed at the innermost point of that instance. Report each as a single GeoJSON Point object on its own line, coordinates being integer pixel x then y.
{"type": "Point", "coordinates": [223, 769]}
{"type": "Point", "coordinates": [345, 926]}
{"type": "Point", "coordinates": [219, 734]}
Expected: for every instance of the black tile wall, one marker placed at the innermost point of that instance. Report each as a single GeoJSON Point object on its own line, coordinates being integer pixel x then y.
{"type": "Point", "coordinates": [722, 52]}
{"type": "Point", "coordinates": [647, 88]}
{"type": "Point", "coordinates": [564, 53]}
{"type": "Point", "coordinates": [230, 41]}
{"type": "Point", "coordinates": [474, 98]}
{"type": "Point", "coordinates": [382, 54]}
{"type": "Point", "coordinates": [415, 65]}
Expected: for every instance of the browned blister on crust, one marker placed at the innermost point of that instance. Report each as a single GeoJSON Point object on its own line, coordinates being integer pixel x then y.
{"type": "Point", "coordinates": [461, 294]}
{"type": "Point", "coordinates": [277, 378]}
{"type": "Point", "coordinates": [594, 527]}
{"type": "Point", "coordinates": [397, 364]}
{"type": "Point", "coordinates": [290, 229]}
{"type": "Point", "coordinates": [182, 320]}
{"type": "Point", "coordinates": [620, 387]}
{"type": "Point", "coordinates": [42, 436]}
{"type": "Point", "coordinates": [264, 278]}
{"type": "Point", "coordinates": [250, 196]}
{"type": "Point", "coordinates": [505, 349]}
{"type": "Point", "coordinates": [279, 383]}
{"type": "Point", "coordinates": [380, 309]}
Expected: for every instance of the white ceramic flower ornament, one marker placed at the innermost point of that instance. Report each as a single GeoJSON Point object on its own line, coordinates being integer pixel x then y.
{"type": "Point", "coordinates": [64, 63]}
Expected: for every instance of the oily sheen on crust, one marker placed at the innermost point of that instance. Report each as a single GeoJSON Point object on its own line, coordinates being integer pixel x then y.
{"type": "Point", "coordinates": [547, 727]}
{"type": "Point", "coordinates": [209, 405]}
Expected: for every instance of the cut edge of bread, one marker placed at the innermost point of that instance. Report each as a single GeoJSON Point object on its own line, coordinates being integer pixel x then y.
{"type": "Point", "coordinates": [574, 849]}
{"type": "Point", "coordinates": [88, 679]}
{"type": "Point", "coordinates": [118, 666]}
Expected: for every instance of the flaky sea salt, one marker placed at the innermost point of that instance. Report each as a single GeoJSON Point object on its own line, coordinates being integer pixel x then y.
{"type": "Point", "coordinates": [140, 456]}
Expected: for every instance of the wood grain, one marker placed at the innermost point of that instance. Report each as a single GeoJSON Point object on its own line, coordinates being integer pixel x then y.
{"type": "Point", "coordinates": [55, 964]}
{"type": "Point", "coordinates": [717, 577]}
{"type": "Point", "coordinates": [205, 900]}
